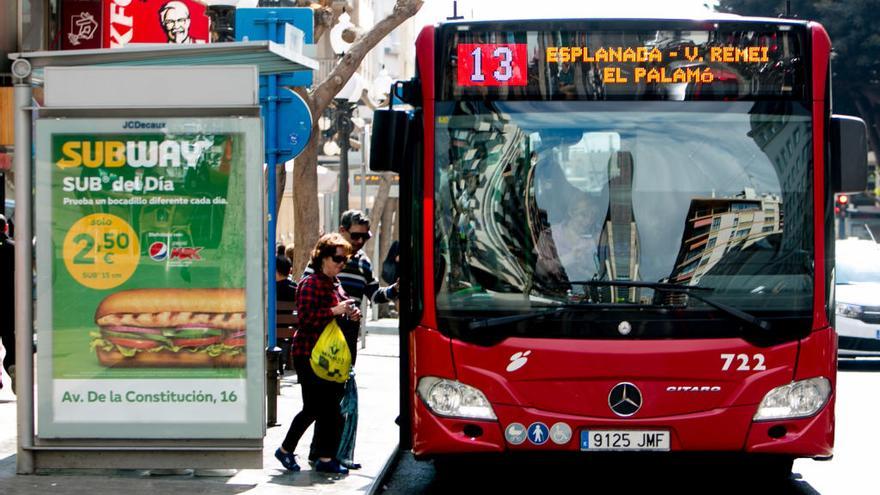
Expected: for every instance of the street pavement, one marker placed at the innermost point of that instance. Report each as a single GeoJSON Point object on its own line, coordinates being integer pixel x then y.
{"type": "Point", "coordinates": [377, 435]}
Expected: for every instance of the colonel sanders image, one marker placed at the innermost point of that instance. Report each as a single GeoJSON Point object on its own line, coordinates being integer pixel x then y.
{"type": "Point", "coordinates": [174, 16]}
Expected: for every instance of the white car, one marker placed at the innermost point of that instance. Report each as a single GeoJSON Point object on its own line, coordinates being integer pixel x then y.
{"type": "Point", "coordinates": [857, 296]}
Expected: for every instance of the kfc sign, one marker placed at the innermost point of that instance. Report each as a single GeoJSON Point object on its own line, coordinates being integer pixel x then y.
{"type": "Point", "coordinates": [121, 23]}
{"type": "Point", "coordinates": [117, 23]}
{"type": "Point", "coordinates": [154, 21]}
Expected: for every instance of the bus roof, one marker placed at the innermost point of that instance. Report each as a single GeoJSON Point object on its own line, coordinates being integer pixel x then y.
{"type": "Point", "coordinates": [710, 17]}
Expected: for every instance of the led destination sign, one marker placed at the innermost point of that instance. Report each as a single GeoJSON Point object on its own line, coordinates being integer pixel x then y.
{"type": "Point", "coordinates": [506, 65]}
{"type": "Point", "coordinates": [625, 64]}
{"type": "Point", "coordinates": [658, 75]}
{"type": "Point", "coordinates": [728, 54]}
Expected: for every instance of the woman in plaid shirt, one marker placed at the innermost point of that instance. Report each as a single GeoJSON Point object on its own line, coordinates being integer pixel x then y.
{"type": "Point", "coordinates": [319, 300]}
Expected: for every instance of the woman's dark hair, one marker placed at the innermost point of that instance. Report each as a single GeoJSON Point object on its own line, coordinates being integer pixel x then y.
{"type": "Point", "coordinates": [326, 246]}
{"type": "Point", "coordinates": [282, 265]}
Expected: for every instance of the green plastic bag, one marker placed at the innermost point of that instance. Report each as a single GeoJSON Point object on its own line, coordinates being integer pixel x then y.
{"type": "Point", "coordinates": [331, 358]}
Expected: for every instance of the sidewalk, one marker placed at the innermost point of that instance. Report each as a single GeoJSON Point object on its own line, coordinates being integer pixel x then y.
{"type": "Point", "coordinates": [377, 377]}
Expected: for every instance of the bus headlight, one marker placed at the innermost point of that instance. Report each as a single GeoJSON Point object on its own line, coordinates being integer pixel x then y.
{"type": "Point", "coordinates": [796, 400]}
{"type": "Point", "coordinates": [455, 399]}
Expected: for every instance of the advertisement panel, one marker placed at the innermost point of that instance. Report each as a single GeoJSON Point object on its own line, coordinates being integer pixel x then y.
{"type": "Point", "coordinates": [149, 248]}
{"type": "Point", "coordinates": [155, 21]}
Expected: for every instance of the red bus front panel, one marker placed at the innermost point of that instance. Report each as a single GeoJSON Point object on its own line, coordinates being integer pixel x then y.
{"type": "Point", "coordinates": [685, 392]}
{"type": "Point", "coordinates": [575, 376]}
{"type": "Point", "coordinates": [703, 391]}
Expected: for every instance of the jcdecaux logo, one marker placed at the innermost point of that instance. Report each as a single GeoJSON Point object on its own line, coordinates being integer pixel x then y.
{"type": "Point", "coordinates": [137, 154]}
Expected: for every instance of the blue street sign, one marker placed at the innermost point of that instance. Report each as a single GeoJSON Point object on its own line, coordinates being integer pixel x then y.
{"type": "Point", "coordinates": [257, 24]}
{"type": "Point", "coordinates": [287, 120]}
{"type": "Point", "coordinates": [292, 124]}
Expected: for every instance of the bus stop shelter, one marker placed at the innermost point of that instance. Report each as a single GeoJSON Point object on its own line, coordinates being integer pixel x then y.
{"type": "Point", "coordinates": [211, 81]}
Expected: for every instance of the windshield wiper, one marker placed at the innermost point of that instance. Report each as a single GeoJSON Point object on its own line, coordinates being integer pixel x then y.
{"type": "Point", "coordinates": [690, 290]}
{"type": "Point", "coordinates": [503, 320]}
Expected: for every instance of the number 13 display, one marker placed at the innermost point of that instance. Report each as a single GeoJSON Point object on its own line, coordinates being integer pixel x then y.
{"type": "Point", "coordinates": [490, 64]}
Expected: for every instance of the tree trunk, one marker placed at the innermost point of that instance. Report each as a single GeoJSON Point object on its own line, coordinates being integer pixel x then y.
{"type": "Point", "coordinates": [389, 221]}
{"type": "Point", "coordinates": [385, 239]}
{"type": "Point", "coordinates": [306, 216]}
{"type": "Point", "coordinates": [376, 216]}
{"type": "Point", "coordinates": [280, 183]}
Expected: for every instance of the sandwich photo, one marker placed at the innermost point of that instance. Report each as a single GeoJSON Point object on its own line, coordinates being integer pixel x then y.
{"type": "Point", "coordinates": [174, 328]}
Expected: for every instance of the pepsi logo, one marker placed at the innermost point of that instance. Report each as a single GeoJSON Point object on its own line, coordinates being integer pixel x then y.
{"type": "Point", "coordinates": [158, 251]}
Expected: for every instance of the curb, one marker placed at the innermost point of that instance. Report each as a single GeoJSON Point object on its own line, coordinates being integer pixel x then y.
{"type": "Point", "coordinates": [389, 466]}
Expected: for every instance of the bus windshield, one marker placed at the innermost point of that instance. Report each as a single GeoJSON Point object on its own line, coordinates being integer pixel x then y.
{"type": "Point", "coordinates": [533, 198]}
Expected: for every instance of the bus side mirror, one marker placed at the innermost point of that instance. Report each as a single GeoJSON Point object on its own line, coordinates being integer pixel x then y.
{"type": "Point", "coordinates": [849, 154]}
{"type": "Point", "coordinates": [389, 140]}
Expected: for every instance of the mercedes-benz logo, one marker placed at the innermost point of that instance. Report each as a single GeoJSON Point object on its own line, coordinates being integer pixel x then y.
{"type": "Point", "coordinates": [625, 399]}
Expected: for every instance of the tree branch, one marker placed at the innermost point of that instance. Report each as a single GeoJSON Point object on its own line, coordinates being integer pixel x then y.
{"type": "Point", "coordinates": [305, 170]}
{"type": "Point", "coordinates": [327, 89]}
{"type": "Point", "coordinates": [324, 19]}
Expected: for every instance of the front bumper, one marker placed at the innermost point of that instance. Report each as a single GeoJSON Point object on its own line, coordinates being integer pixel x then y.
{"type": "Point", "coordinates": [857, 338]}
{"type": "Point", "coordinates": [729, 430]}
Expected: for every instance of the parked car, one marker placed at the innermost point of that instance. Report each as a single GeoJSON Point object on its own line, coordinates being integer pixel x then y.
{"type": "Point", "coordinates": [857, 296]}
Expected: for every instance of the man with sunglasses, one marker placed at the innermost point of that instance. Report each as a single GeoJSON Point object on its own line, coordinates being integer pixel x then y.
{"type": "Point", "coordinates": [357, 281]}
{"type": "Point", "coordinates": [357, 277]}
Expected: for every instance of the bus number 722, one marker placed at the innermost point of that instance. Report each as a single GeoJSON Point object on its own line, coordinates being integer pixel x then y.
{"type": "Point", "coordinates": [744, 360]}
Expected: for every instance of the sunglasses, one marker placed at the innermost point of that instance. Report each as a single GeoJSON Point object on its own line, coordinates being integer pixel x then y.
{"type": "Point", "coordinates": [338, 259]}
{"type": "Point", "coordinates": [365, 236]}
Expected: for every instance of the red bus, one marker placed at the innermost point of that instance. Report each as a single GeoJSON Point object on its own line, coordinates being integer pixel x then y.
{"type": "Point", "coordinates": [617, 235]}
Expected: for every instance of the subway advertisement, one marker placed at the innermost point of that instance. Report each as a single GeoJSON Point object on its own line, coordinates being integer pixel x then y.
{"type": "Point", "coordinates": [149, 278]}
